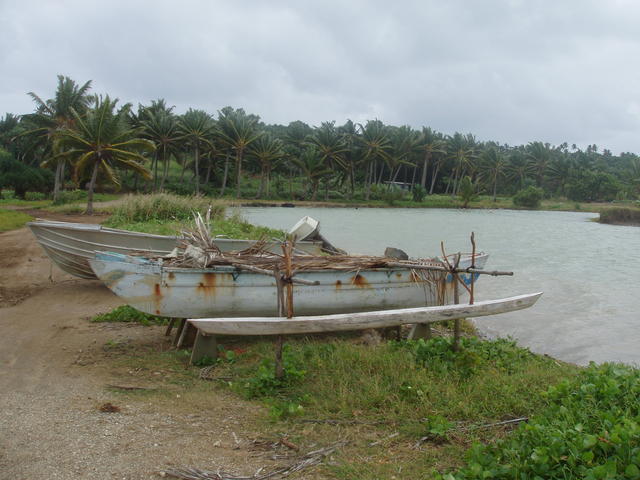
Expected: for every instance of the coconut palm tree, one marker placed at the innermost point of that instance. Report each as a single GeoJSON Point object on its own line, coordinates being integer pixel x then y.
{"type": "Point", "coordinates": [539, 155]}
{"type": "Point", "coordinates": [53, 116]}
{"type": "Point", "coordinates": [331, 147]}
{"type": "Point", "coordinates": [404, 145]}
{"type": "Point", "coordinates": [493, 164]}
{"type": "Point", "coordinates": [431, 143]}
{"type": "Point", "coordinates": [267, 150]}
{"type": "Point", "coordinates": [238, 130]}
{"type": "Point", "coordinates": [376, 145]}
{"type": "Point", "coordinates": [313, 167]}
{"type": "Point", "coordinates": [196, 127]}
{"type": "Point", "coordinates": [102, 141]}
{"type": "Point", "coordinates": [461, 150]}
{"type": "Point", "coordinates": [161, 127]}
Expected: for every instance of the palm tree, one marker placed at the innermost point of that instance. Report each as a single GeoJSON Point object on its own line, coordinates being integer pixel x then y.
{"type": "Point", "coordinates": [238, 130]}
{"type": "Point", "coordinates": [267, 150]}
{"type": "Point", "coordinates": [431, 143]}
{"type": "Point", "coordinates": [404, 144]}
{"type": "Point", "coordinates": [493, 165]}
{"type": "Point", "coordinates": [331, 147]}
{"type": "Point", "coordinates": [102, 141]}
{"type": "Point", "coordinates": [539, 154]}
{"type": "Point", "coordinates": [376, 145]}
{"type": "Point", "coordinates": [161, 127]}
{"type": "Point", "coordinates": [55, 115]}
{"type": "Point", "coordinates": [313, 167]}
{"type": "Point", "coordinates": [196, 126]}
{"type": "Point", "coordinates": [461, 150]}
{"type": "Point", "coordinates": [518, 168]}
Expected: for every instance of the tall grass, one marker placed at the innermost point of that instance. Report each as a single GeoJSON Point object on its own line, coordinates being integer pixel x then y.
{"type": "Point", "coordinates": [162, 207]}
{"type": "Point", "coordinates": [621, 215]}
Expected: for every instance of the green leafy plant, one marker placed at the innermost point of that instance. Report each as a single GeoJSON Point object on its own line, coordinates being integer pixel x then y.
{"type": "Point", "coordinates": [590, 430]}
{"type": "Point", "coordinates": [529, 197]}
{"type": "Point", "coordinates": [418, 193]}
{"type": "Point", "coordinates": [467, 191]}
{"type": "Point", "coordinates": [125, 313]}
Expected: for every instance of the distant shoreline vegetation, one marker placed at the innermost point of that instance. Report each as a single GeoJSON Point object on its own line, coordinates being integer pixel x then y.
{"type": "Point", "coordinates": [76, 139]}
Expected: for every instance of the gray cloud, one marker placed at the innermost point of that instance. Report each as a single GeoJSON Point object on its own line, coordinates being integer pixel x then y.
{"type": "Point", "coordinates": [510, 71]}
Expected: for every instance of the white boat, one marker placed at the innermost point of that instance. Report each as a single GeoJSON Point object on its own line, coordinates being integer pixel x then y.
{"type": "Point", "coordinates": [71, 245]}
{"type": "Point", "coordinates": [360, 321]}
{"type": "Point", "coordinates": [228, 291]}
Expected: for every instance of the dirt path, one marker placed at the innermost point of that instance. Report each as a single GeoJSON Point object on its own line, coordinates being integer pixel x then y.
{"type": "Point", "coordinates": [53, 381]}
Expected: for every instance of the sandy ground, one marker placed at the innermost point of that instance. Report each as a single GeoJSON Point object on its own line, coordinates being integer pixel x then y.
{"type": "Point", "coordinates": [53, 381]}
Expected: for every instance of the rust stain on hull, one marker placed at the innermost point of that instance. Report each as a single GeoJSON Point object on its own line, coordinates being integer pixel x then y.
{"type": "Point", "coordinates": [360, 282]}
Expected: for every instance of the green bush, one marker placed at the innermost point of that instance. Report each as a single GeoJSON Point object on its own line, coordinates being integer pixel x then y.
{"type": "Point", "coordinates": [529, 197]}
{"type": "Point", "coordinates": [71, 196]}
{"type": "Point", "coordinates": [392, 195]}
{"type": "Point", "coordinates": [23, 178]}
{"type": "Point", "coordinates": [418, 193]}
{"type": "Point", "coordinates": [467, 191]}
{"type": "Point", "coordinates": [590, 430]}
{"type": "Point", "coordinates": [128, 314]}
{"type": "Point", "coordinates": [35, 196]}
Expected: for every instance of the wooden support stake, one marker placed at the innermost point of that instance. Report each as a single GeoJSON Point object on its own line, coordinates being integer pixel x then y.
{"type": "Point", "coordinates": [167, 332]}
{"type": "Point", "coordinates": [179, 331]}
{"type": "Point", "coordinates": [456, 300]}
{"type": "Point", "coordinates": [204, 346]}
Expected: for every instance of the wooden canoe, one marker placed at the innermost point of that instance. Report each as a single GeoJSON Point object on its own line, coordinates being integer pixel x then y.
{"type": "Point", "coordinates": [360, 321]}
{"type": "Point", "coordinates": [71, 245]}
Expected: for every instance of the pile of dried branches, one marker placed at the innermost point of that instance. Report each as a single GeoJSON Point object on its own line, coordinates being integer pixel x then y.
{"type": "Point", "coordinates": [198, 249]}
{"type": "Point", "coordinates": [308, 460]}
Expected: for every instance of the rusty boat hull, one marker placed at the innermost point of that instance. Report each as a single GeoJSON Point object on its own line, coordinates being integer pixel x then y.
{"type": "Point", "coordinates": [71, 245]}
{"type": "Point", "coordinates": [224, 291]}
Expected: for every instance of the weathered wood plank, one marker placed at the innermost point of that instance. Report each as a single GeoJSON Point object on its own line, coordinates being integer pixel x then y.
{"type": "Point", "coordinates": [359, 321]}
{"type": "Point", "coordinates": [204, 346]}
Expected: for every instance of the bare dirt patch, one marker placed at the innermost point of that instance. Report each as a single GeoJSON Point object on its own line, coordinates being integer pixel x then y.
{"type": "Point", "coordinates": [61, 416]}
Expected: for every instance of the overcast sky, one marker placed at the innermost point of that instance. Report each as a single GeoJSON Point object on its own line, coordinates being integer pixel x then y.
{"type": "Point", "coordinates": [505, 70]}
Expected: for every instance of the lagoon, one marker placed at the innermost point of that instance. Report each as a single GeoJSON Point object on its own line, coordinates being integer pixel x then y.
{"type": "Point", "coordinates": [589, 272]}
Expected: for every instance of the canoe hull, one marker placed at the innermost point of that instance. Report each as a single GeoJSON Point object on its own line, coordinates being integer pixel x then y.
{"type": "Point", "coordinates": [71, 245]}
{"type": "Point", "coordinates": [360, 321]}
{"type": "Point", "coordinates": [226, 292]}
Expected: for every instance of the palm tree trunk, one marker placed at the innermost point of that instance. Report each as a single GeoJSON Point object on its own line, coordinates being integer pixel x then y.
{"type": "Point", "coordinates": [268, 185]}
{"type": "Point", "coordinates": [433, 178]}
{"type": "Point", "coordinates": [57, 181]}
{"type": "Point", "coordinates": [425, 165]}
{"type": "Point", "coordinates": [226, 175]}
{"type": "Point", "coordinates": [155, 171]}
{"type": "Point", "coordinates": [184, 167]}
{"type": "Point", "coordinates": [239, 172]}
{"type": "Point", "coordinates": [262, 182]}
{"type": "Point", "coordinates": [379, 181]}
{"type": "Point", "coordinates": [197, 170]}
{"type": "Point", "coordinates": [413, 176]}
{"type": "Point", "coordinates": [92, 186]}
{"type": "Point", "coordinates": [208, 176]}
{"type": "Point", "coordinates": [165, 170]}
{"type": "Point", "coordinates": [495, 184]}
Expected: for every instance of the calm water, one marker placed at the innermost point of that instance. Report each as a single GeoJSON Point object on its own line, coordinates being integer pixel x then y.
{"type": "Point", "coordinates": [589, 273]}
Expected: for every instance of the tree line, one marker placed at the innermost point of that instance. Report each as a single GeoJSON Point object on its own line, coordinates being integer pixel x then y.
{"type": "Point", "coordinates": [93, 141]}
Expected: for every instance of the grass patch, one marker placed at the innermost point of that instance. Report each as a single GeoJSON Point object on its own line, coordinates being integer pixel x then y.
{"type": "Point", "coordinates": [168, 214]}
{"type": "Point", "coordinates": [11, 220]}
{"type": "Point", "coordinates": [620, 216]}
{"type": "Point", "coordinates": [128, 314]}
{"type": "Point", "coordinates": [401, 391]}
{"type": "Point", "coordinates": [162, 207]}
